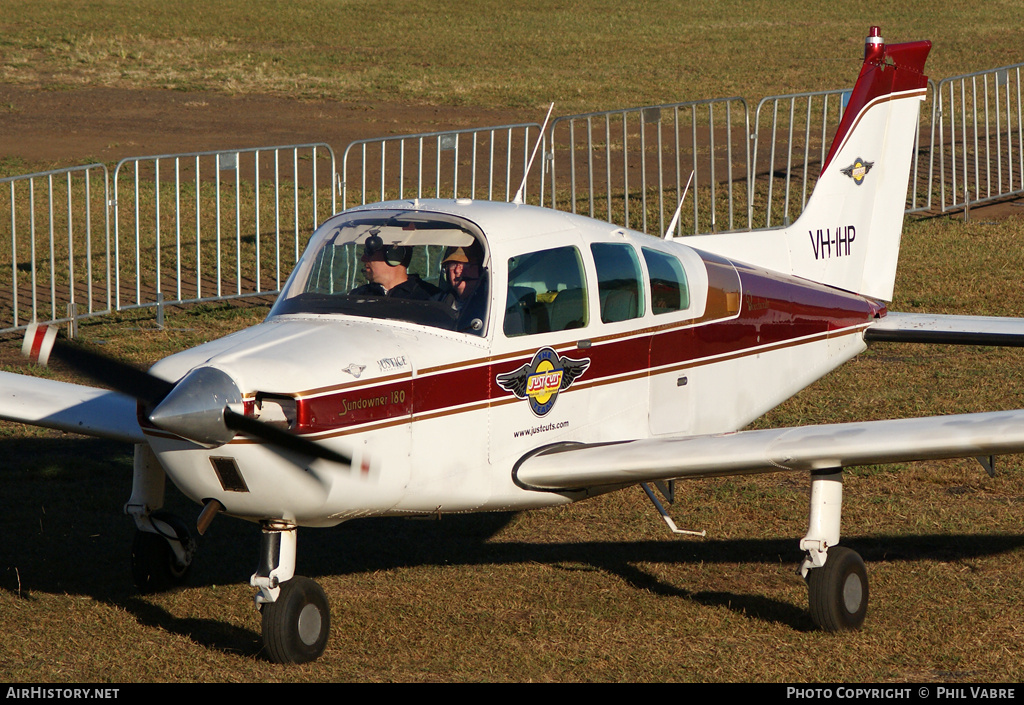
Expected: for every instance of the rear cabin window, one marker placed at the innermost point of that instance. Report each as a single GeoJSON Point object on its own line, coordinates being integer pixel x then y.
{"type": "Point", "coordinates": [546, 292]}
{"type": "Point", "coordinates": [618, 281]}
{"type": "Point", "coordinates": [669, 291]}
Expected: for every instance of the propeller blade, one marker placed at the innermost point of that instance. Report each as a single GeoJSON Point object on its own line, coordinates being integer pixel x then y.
{"type": "Point", "coordinates": [194, 404]}
{"type": "Point", "coordinates": [281, 438]}
{"type": "Point", "coordinates": [119, 376]}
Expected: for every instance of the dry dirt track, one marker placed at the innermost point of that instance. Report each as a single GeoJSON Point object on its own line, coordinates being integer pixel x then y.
{"type": "Point", "coordinates": [71, 127]}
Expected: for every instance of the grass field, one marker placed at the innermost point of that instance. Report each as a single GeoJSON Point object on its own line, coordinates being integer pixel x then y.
{"type": "Point", "coordinates": [591, 592]}
{"type": "Point", "coordinates": [585, 56]}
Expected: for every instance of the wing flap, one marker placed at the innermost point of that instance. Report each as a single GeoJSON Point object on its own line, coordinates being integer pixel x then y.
{"type": "Point", "coordinates": [771, 450]}
{"type": "Point", "coordinates": [69, 407]}
{"type": "Point", "coordinates": [948, 330]}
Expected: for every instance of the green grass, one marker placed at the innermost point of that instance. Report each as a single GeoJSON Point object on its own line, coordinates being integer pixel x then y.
{"type": "Point", "coordinates": [595, 591]}
{"type": "Point", "coordinates": [585, 56]}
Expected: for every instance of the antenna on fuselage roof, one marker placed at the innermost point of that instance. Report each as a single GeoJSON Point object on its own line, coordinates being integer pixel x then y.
{"type": "Point", "coordinates": [519, 194]}
{"type": "Point", "coordinates": [679, 209]}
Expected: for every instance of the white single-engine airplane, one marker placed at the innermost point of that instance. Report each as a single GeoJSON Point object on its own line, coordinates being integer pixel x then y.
{"type": "Point", "coordinates": [582, 358]}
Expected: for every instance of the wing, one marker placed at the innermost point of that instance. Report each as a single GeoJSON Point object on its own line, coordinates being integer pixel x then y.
{"type": "Point", "coordinates": [950, 330]}
{"type": "Point", "coordinates": [69, 407]}
{"type": "Point", "coordinates": [771, 450]}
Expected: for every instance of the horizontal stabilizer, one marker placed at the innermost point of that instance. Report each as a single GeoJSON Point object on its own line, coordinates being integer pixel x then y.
{"type": "Point", "coordinates": [947, 330]}
{"type": "Point", "coordinates": [803, 448]}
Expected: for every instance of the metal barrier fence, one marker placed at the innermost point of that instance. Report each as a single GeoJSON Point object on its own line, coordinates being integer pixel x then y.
{"type": "Point", "coordinates": [484, 163]}
{"type": "Point", "coordinates": [920, 195]}
{"type": "Point", "coordinates": [631, 166]}
{"type": "Point", "coordinates": [791, 138]}
{"type": "Point", "coordinates": [60, 258]}
{"type": "Point", "coordinates": [208, 226]}
{"type": "Point", "coordinates": [980, 138]}
{"type": "Point", "coordinates": [213, 225]}
{"type": "Point", "coordinates": [789, 149]}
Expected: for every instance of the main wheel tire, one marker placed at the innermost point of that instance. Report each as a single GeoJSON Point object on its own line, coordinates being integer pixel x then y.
{"type": "Point", "coordinates": [155, 567]}
{"type": "Point", "coordinates": [297, 624]}
{"type": "Point", "coordinates": [838, 591]}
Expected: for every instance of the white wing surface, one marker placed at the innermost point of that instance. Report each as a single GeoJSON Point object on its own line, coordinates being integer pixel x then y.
{"type": "Point", "coordinates": [771, 450]}
{"type": "Point", "coordinates": [69, 407]}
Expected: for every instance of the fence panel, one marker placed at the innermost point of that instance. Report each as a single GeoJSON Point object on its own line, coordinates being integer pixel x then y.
{"type": "Point", "coordinates": [216, 225]}
{"type": "Point", "coordinates": [921, 194]}
{"type": "Point", "coordinates": [980, 138]}
{"type": "Point", "coordinates": [792, 135]}
{"type": "Point", "coordinates": [487, 163]}
{"type": "Point", "coordinates": [57, 258]}
{"type": "Point", "coordinates": [631, 166]}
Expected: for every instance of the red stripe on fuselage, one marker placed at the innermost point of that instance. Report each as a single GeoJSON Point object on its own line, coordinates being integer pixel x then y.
{"type": "Point", "coordinates": [351, 408]}
{"type": "Point", "coordinates": [775, 312]}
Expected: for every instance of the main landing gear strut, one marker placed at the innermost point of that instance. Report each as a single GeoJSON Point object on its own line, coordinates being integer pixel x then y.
{"type": "Point", "coordinates": [296, 616]}
{"type": "Point", "coordinates": [837, 582]}
{"type": "Point", "coordinates": [163, 547]}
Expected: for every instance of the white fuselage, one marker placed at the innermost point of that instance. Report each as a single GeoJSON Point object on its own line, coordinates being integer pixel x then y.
{"type": "Point", "coordinates": [432, 429]}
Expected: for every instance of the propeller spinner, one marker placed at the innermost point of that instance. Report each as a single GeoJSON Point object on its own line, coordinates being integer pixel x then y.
{"type": "Point", "coordinates": [198, 407]}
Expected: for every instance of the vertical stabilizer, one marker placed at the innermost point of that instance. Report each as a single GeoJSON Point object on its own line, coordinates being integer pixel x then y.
{"type": "Point", "coordinates": [849, 234]}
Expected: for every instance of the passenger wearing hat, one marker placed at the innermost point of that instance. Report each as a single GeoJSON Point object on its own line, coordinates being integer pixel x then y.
{"type": "Point", "coordinates": [465, 288]}
{"type": "Point", "coordinates": [386, 268]}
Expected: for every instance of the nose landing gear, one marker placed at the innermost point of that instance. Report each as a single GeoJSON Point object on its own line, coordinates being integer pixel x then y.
{"type": "Point", "coordinates": [296, 616]}
{"type": "Point", "coordinates": [296, 625]}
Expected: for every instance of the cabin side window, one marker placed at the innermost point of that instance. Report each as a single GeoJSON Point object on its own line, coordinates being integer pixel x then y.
{"type": "Point", "coordinates": [669, 291]}
{"type": "Point", "coordinates": [618, 281]}
{"type": "Point", "coordinates": [546, 292]}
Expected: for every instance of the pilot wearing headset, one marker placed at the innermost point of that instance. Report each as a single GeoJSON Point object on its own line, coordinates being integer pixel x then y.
{"type": "Point", "coordinates": [465, 286]}
{"type": "Point", "coordinates": [387, 273]}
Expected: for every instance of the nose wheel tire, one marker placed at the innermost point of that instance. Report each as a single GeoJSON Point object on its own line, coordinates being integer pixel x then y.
{"type": "Point", "coordinates": [838, 591]}
{"type": "Point", "coordinates": [297, 624]}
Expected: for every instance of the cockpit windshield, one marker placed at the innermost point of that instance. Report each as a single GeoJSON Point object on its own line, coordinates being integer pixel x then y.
{"type": "Point", "coordinates": [423, 268]}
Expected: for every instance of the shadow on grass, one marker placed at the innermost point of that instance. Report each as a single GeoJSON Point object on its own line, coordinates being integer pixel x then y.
{"type": "Point", "coordinates": [67, 534]}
